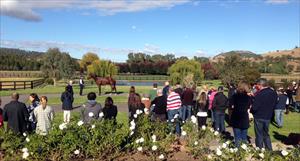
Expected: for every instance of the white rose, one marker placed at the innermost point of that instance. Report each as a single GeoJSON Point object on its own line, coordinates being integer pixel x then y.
{"type": "Point", "coordinates": [263, 149]}
{"type": "Point", "coordinates": [183, 133]}
{"type": "Point", "coordinates": [132, 123]}
{"type": "Point", "coordinates": [93, 126]}
{"type": "Point", "coordinates": [224, 145]}
{"type": "Point", "coordinates": [216, 133]}
{"type": "Point", "coordinates": [261, 155]}
{"type": "Point", "coordinates": [146, 110]}
{"type": "Point", "coordinates": [62, 126]}
{"type": "Point", "coordinates": [161, 156]}
{"type": "Point", "coordinates": [196, 143]}
{"type": "Point", "coordinates": [212, 130]}
{"type": "Point", "coordinates": [79, 123]}
{"type": "Point", "coordinates": [235, 149]}
{"type": "Point", "coordinates": [27, 139]}
{"type": "Point", "coordinates": [132, 127]}
{"type": "Point", "coordinates": [25, 155]}
{"type": "Point", "coordinates": [231, 150]}
{"type": "Point", "coordinates": [24, 150]}
{"type": "Point", "coordinates": [209, 156]}
{"type": "Point", "coordinates": [228, 142]}
{"type": "Point", "coordinates": [153, 138]}
{"type": "Point", "coordinates": [135, 115]}
{"type": "Point", "coordinates": [284, 153]}
{"type": "Point", "coordinates": [137, 141]}
{"type": "Point", "coordinates": [219, 152]}
{"type": "Point", "coordinates": [131, 133]}
{"type": "Point", "coordinates": [76, 152]}
{"type": "Point", "coordinates": [142, 140]}
{"type": "Point", "coordinates": [194, 119]}
{"type": "Point", "coordinates": [101, 114]}
{"type": "Point", "coordinates": [154, 147]}
{"type": "Point", "coordinates": [24, 134]}
{"type": "Point", "coordinates": [176, 116]}
{"type": "Point", "coordinates": [91, 114]}
{"type": "Point", "coordinates": [244, 146]}
{"type": "Point", "coordinates": [140, 148]}
{"type": "Point", "coordinates": [172, 120]}
{"type": "Point", "coordinates": [203, 127]}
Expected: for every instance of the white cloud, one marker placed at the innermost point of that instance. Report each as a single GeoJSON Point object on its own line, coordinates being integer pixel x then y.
{"type": "Point", "coordinates": [277, 1]}
{"type": "Point", "coordinates": [151, 49]}
{"type": "Point", "coordinates": [200, 53]}
{"type": "Point", "coordinates": [26, 9]}
{"type": "Point", "coordinates": [133, 27]}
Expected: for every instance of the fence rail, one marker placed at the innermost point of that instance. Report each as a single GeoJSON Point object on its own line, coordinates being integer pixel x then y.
{"type": "Point", "coordinates": [13, 85]}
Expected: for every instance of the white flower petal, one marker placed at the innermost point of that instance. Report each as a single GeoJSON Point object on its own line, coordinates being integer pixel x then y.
{"type": "Point", "coordinates": [76, 152]}
{"type": "Point", "coordinates": [79, 123]}
{"type": "Point", "coordinates": [154, 147]}
{"type": "Point", "coordinates": [196, 143]}
{"type": "Point", "coordinates": [91, 114]}
{"type": "Point", "coordinates": [25, 155]}
{"type": "Point", "coordinates": [140, 148]}
{"type": "Point", "coordinates": [261, 155]}
{"type": "Point", "coordinates": [183, 133]}
{"type": "Point", "coordinates": [219, 152]}
{"type": "Point", "coordinates": [203, 127]}
{"type": "Point", "coordinates": [284, 153]}
{"type": "Point", "coordinates": [161, 156]}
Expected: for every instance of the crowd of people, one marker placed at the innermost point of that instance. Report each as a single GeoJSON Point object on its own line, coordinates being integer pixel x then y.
{"type": "Point", "coordinates": [174, 105]}
{"type": "Point", "coordinates": [259, 102]}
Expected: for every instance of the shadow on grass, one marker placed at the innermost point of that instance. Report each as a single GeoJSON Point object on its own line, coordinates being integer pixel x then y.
{"type": "Point", "coordinates": [291, 139]}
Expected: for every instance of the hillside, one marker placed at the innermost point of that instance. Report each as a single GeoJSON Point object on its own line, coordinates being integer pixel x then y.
{"type": "Point", "coordinates": [244, 54]}
{"type": "Point", "coordinates": [293, 53]}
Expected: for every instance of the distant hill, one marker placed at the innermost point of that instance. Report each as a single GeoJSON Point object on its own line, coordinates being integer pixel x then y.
{"type": "Point", "coordinates": [295, 53]}
{"type": "Point", "coordinates": [242, 53]}
{"type": "Point", "coordinates": [16, 59]}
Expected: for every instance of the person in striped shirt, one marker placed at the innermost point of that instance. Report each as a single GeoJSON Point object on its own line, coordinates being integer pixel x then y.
{"type": "Point", "coordinates": [173, 107]}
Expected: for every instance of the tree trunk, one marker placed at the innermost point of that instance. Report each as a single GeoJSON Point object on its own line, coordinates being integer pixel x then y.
{"type": "Point", "coordinates": [54, 81]}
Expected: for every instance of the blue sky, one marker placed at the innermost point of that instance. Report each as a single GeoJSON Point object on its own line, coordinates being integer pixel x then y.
{"type": "Point", "coordinates": [112, 29]}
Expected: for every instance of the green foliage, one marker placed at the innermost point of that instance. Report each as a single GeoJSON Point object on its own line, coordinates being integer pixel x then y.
{"type": "Point", "coordinates": [57, 65]}
{"type": "Point", "coordinates": [102, 68]}
{"type": "Point", "coordinates": [87, 60]}
{"type": "Point", "coordinates": [182, 68]}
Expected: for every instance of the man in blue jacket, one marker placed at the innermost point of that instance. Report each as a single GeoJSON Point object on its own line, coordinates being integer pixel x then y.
{"type": "Point", "coordinates": [262, 110]}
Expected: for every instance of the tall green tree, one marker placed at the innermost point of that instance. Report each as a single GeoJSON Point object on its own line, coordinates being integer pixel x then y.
{"type": "Point", "coordinates": [183, 68]}
{"type": "Point", "coordinates": [102, 68]}
{"type": "Point", "coordinates": [88, 59]}
{"type": "Point", "coordinates": [57, 65]}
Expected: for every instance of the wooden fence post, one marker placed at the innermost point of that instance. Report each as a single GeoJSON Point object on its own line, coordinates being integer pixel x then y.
{"type": "Point", "coordinates": [0, 86]}
{"type": "Point", "coordinates": [24, 84]}
{"type": "Point", "coordinates": [14, 85]}
{"type": "Point", "coordinates": [31, 84]}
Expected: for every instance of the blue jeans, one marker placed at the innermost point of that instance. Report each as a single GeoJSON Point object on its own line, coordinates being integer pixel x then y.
{"type": "Point", "coordinates": [186, 112]}
{"type": "Point", "coordinates": [279, 117]}
{"type": "Point", "coordinates": [219, 121]}
{"type": "Point", "coordinates": [171, 114]}
{"type": "Point", "coordinates": [240, 135]}
{"type": "Point", "coordinates": [262, 137]}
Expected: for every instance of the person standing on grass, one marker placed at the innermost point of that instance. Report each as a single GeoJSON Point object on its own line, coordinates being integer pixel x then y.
{"type": "Point", "coordinates": [166, 89]}
{"type": "Point", "coordinates": [67, 103]}
{"type": "Point", "coordinates": [262, 109]}
{"type": "Point", "coordinates": [81, 85]}
{"type": "Point", "coordinates": [110, 110]}
{"type": "Point", "coordinates": [92, 109]}
{"type": "Point", "coordinates": [201, 109]}
{"type": "Point", "coordinates": [187, 103]}
{"type": "Point", "coordinates": [1, 115]}
{"type": "Point", "coordinates": [16, 115]}
{"type": "Point", "coordinates": [135, 104]}
{"type": "Point", "coordinates": [44, 115]}
{"type": "Point", "coordinates": [153, 92]}
{"type": "Point", "coordinates": [173, 108]}
{"type": "Point", "coordinates": [211, 95]}
{"type": "Point", "coordinates": [70, 86]}
{"type": "Point", "coordinates": [220, 104]}
{"type": "Point", "coordinates": [34, 102]}
{"type": "Point", "coordinates": [283, 102]}
{"type": "Point", "coordinates": [240, 103]}
{"type": "Point", "coordinates": [297, 100]}
{"type": "Point", "coordinates": [159, 105]}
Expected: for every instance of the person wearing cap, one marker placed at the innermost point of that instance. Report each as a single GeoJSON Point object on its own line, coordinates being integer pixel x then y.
{"type": "Point", "coordinates": [219, 107]}
{"type": "Point", "coordinates": [81, 85]}
{"type": "Point", "coordinates": [262, 109]}
{"type": "Point", "coordinates": [282, 103]}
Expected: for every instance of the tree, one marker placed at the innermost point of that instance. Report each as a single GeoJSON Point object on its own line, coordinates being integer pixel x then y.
{"type": "Point", "coordinates": [234, 69]}
{"type": "Point", "coordinates": [102, 68]}
{"type": "Point", "coordinates": [87, 60]}
{"type": "Point", "coordinates": [182, 68]}
{"type": "Point", "coordinates": [57, 65]}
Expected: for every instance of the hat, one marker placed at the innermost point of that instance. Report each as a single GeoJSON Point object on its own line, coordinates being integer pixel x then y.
{"type": "Point", "coordinates": [220, 88]}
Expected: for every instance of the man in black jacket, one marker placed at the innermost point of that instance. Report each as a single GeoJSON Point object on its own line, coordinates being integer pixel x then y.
{"type": "Point", "coordinates": [16, 115]}
{"type": "Point", "coordinates": [262, 110]}
{"type": "Point", "coordinates": [219, 105]}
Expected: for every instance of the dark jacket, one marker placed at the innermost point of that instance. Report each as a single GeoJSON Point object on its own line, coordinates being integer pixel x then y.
{"type": "Point", "coordinates": [70, 89]}
{"type": "Point", "coordinates": [281, 103]}
{"type": "Point", "coordinates": [67, 100]}
{"type": "Point", "coordinates": [220, 102]}
{"type": "Point", "coordinates": [179, 91]}
{"type": "Point", "coordinates": [16, 115]}
{"type": "Point", "coordinates": [241, 103]}
{"type": "Point", "coordinates": [166, 90]}
{"type": "Point", "coordinates": [264, 104]}
{"type": "Point", "coordinates": [110, 112]}
{"type": "Point", "coordinates": [201, 107]}
{"type": "Point", "coordinates": [160, 103]}
{"type": "Point", "coordinates": [187, 97]}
